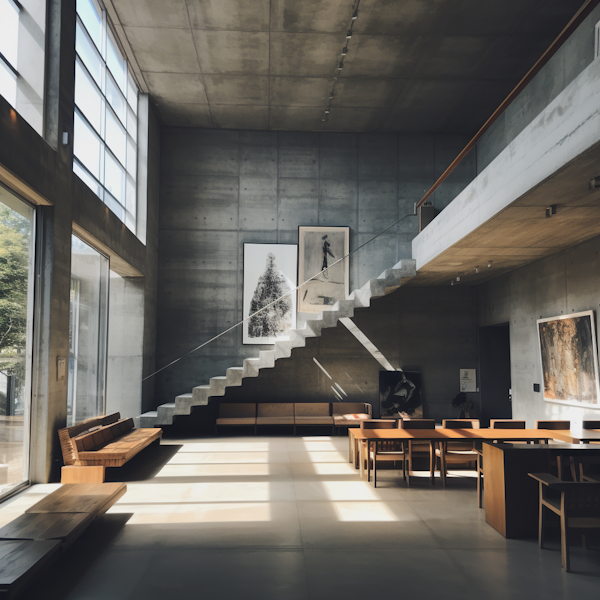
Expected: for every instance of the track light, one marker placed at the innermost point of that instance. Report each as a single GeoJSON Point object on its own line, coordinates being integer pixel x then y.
{"type": "Point", "coordinates": [490, 264]}
{"type": "Point", "coordinates": [326, 111]}
{"type": "Point", "coordinates": [348, 34]}
{"type": "Point", "coordinates": [476, 269]}
{"type": "Point", "coordinates": [355, 15]}
{"type": "Point", "coordinates": [340, 66]}
{"type": "Point", "coordinates": [452, 282]}
{"type": "Point", "coordinates": [550, 210]}
{"type": "Point", "coordinates": [345, 51]}
{"type": "Point", "coordinates": [331, 95]}
{"type": "Point", "coordinates": [457, 279]}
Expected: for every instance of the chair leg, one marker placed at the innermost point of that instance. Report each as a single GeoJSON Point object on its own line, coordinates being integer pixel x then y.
{"type": "Point", "coordinates": [431, 463]}
{"type": "Point", "coordinates": [541, 522]}
{"type": "Point", "coordinates": [443, 465]}
{"type": "Point", "coordinates": [479, 482]}
{"type": "Point", "coordinates": [564, 541]}
{"type": "Point", "coordinates": [374, 470]}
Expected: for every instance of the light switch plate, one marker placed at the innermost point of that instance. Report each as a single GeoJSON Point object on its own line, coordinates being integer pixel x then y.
{"type": "Point", "coordinates": [61, 368]}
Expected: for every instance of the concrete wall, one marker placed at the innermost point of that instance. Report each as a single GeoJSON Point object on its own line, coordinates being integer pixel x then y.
{"type": "Point", "coordinates": [432, 330]}
{"type": "Point", "coordinates": [564, 283]}
{"type": "Point", "coordinates": [220, 189]}
{"type": "Point", "coordinates": [570, 60]}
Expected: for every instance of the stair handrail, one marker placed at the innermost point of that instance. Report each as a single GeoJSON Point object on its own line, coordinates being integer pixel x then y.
{"type": "Point", "coordinates": [562, 37]}
{"type": "Point", "coordinates": [216, 337]}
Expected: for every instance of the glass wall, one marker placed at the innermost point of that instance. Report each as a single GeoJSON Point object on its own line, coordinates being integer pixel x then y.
{"type": "Point", "coordinates": [87, 333]}
{"type": "Point", "coordinates": [16, 318]}
{"type": "Point", "coordinates": [9, 32]}
{"type": "Point", "coordinates": [106, 103]}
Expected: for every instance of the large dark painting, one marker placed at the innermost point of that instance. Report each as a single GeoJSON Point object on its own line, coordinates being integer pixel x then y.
{"type": "Point", "coordinates": [400, 394]}
{"type": "Point", "coordinates": [569, 359]}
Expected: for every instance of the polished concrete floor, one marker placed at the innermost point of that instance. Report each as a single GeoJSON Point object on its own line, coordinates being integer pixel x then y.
{"type": "Point", "coordinates": [288, 518]}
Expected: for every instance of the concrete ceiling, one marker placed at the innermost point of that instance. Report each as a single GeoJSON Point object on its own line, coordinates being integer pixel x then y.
{"type": "Point", "coordinates": [521, 233]}
{"type": "Point", "coordinates": [412, 65]}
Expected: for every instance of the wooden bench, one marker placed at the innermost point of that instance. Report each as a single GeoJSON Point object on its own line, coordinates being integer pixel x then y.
{"type": "Point", "coordinates": [109, 441]}
{"type": "Point", "coordinates": [34, 540]}
{"type": "Point", "coordinates": [343, 414]}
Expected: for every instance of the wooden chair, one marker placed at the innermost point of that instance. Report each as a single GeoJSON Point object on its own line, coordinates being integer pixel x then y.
{"type": "Point", "coordinates": [462, 452]}
{"type": "Point", "coordinates": [381, 451]}
{"type": "Point", "coordinates": [506, 424]}
{"type": "Point", "coordinates": [557, 462]}
{"type": "Point", "coordinates": [419, 448]}
{"type": "Point", "coordinates": [363, 449]}
{"type": "Point", "coordinates": [576, 503]}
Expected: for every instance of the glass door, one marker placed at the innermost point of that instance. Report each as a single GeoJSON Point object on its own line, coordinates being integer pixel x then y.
{"type": "Point", "coordinates": [88, 329]}
{"type": "Point", "coordinates": [17, 263]}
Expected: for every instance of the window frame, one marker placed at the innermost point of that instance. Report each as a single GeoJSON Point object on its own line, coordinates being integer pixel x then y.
{"type": "Point", "coordinates": [126, 211]}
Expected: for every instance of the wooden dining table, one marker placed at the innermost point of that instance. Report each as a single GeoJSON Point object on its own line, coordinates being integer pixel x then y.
{"type": "Point", "coordinates": [355, 436]}
{"type": "Point", "coordinates": [576, 436]}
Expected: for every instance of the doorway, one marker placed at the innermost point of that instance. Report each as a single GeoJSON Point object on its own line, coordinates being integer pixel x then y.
{"type": "Point", "coordinates": [494, 368]}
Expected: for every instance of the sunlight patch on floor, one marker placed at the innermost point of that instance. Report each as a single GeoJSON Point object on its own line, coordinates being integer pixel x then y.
{"type": "Point", "coordinates": [365, 512]}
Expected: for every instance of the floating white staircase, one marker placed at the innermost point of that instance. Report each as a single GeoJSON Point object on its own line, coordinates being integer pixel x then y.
{"type": "Point", "coordinates": [308, 325]}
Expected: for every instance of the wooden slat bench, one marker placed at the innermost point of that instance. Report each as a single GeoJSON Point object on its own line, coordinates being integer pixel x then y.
{"type": "Point", "coordinates": [89, 447]}
{"type": "Point", "coordinates": [32, 541]}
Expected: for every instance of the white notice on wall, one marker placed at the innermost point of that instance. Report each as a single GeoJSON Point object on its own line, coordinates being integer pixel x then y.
{"type": "Point", "coordinates": [468, 380]}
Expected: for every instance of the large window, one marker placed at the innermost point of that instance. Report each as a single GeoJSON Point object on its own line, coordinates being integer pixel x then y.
{"type": "Point", "coordinates": [88, 325]}
{"type": "Point", "coordinates": [16, 317]}
{"type": "Point", "coordinates": [106, 100]}
{"type": "Point", "coordinates": [9, 32]}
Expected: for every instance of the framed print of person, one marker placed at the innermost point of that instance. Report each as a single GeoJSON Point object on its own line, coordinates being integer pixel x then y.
{"type": "Point", "coordinates": [318, 250]}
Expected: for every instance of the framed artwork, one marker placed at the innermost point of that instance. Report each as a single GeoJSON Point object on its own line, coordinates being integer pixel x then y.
{"type": "Point", "coordinates": [270, 271]}
{"type": "Point", "coordinates": [400, 394]}
{"type": "Point", "coordinates": [569, 359]}
{"type": "Point", "coordinates": [318, 248]}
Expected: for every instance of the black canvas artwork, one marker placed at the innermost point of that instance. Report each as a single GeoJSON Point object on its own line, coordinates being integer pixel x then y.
{"type": "Point", "coordinates": [400, 394]}
{"type": "Point", "coordinates": [269, 273]}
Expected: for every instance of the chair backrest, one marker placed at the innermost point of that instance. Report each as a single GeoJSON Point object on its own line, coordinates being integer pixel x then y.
{"type": "Point", "coordinates": [344, 408]}
{"type": "Point", "coordinates": [553, 424]}
{"type": "Point", "coordinates": [275, 409]}
{"type": "Point", "coordinates": [237, 410]}
{"type": "Point", "coordinates": [418, 424]}
{"type": "Point", "coordinates": [379, 424]}
{"type": "Point", "coordinates": [506, 424]}
{"type": "Point", "coordinates": [311, 409]}
{"type": "Point", "coordinates": [591, 424]}
{"type": "Point", "coordinates": [460, 423]}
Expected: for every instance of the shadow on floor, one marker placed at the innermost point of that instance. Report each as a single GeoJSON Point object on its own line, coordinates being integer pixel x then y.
{"type": "Point", "coordinates": [144, 465]}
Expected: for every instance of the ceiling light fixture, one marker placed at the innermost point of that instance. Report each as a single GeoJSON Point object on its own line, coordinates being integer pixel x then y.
{"type": "Point", "coordinates": [349, 34]}
{"type": "Point", "coordinates": [476, 269]}
{"type": "Point", "coordinates": [490, 263]}
{"type": "Point", "coordinates": [331, 95]}
{"type": "Point", "coordinates": [355, 15]}
{"type": "Point", "coordinates": [594, 183]}
{"type": "Point", "coordinates": [340, 66]}
{"type": "Point", "coordinates": [326, 111]}
{"type": "Point", "coordinates": [345, 51]}
{"type": "Point", "coordinates": [458, 279]}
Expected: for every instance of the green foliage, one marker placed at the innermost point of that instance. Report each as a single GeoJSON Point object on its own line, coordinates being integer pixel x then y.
{"type": "Point", "coordinates": [15, 235]}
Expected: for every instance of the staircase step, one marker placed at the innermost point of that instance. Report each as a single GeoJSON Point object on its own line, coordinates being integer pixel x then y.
{"type": "Point", "coordinates": [235, 376]}
{"type": "Point", "coordinates": [148, 419]}
{"type": "Point", "coordinates": [251, 367]}
{"type": "Point", "coordinates": [201, 394]}
{"type": "Point", "coordinates": [218, 385]}
{"type": "Point", "coordinates": [267, 359]}
{"type": "Point", "coordinates": [361, 298]}
{"type": "Point", "coordinates": [165, 413]}
{"type": "Point", "coordinates": [283, 349]}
